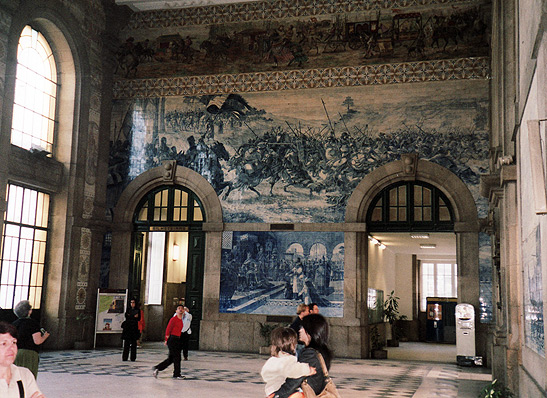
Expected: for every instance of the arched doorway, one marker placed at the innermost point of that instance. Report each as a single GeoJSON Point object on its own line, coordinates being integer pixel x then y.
{"type": "Point", "coordinates": [168, 249]}
{"type": "Point", "coordinates": [159, 245]}
{"type": "Point", "coordinates": [464, 219]}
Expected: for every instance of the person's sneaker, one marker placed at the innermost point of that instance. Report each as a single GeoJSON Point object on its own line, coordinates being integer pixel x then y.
{"type": "Point", "coordinates": [186, 358]}
{"type": "Point", "coordinates": [155, 374]}
{"type": "Point", "coordinates": [179, 377]}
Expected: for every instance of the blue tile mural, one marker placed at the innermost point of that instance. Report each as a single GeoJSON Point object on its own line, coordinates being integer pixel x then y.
{"type": "Point", "coordinates": [297, 156]}
{"type": "Point", "coordinates": [533, 292]}
{"type": "Point", "coordinates": [272, 272]}
{"type": "Point", "coordinates": [485, 279]}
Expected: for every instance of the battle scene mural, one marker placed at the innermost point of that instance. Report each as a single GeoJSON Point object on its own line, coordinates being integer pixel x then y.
{"type": "Point", "coordinates": [297, 156]}
{"type": "Point", "coordinates": [308, 41]}
{"type": "Point", "coordinates": [272, 272]}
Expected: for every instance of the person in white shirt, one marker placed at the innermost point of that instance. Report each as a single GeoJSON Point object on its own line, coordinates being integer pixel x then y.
{"type": "Point", "coordinates": [283, 363]}
{"type": "Point", "coordinates": [186, 332]}
{"type": "Point", "coordinates": [15, 381]}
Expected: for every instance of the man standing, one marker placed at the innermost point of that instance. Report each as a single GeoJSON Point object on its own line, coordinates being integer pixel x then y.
{"type": "Point", "coordinates": [173, 343]}
{"type": "Point", "coordinates": [301, 311]}
{"type": "Point", "coordinates": [186, 332]}
{"type": "Point", "coordinates": [314, 308]}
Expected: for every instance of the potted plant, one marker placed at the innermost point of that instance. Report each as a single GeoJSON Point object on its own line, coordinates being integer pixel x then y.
{"type": "Point", "coordinates": [391, 315]}
{"type": "Point", "coordinates": [496, 390]}
{"type": "Point", "coordinates": [81, 319]}
{"type": "Point", "coordinates": [265, 331]}
{"type": "Point", "coordinates": [377, 350]}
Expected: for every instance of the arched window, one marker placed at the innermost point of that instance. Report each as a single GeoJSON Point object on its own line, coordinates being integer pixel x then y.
{"type": "Point", "coordinates": [33, 122]}
{"type": "Point", "coordinates": [168, 206]}
{"type": "Point", "coordinates": [410, 206]}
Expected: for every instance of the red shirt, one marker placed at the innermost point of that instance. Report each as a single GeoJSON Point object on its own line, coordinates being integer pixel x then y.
{"type": "Point", "coordinates": [174, 327]}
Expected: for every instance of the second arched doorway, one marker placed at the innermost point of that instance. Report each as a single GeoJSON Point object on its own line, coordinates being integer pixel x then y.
{"type": "Point", "coordinates": [450, 196]}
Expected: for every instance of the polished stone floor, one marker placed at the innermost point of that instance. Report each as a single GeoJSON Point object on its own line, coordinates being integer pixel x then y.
{"type": "Point", "coordinates": [101, 373]}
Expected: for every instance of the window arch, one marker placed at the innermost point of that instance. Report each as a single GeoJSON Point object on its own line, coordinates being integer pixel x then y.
{"type": "Point", "coordinates": [170, 205]}
{"type": "Point", "coordinates": [33, 121]}
{"type": "Point", "coordinates": [410, 206]}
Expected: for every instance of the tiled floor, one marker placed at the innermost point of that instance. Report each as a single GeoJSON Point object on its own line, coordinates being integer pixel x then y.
{"type": "Point", "coordinates": [101, 373]}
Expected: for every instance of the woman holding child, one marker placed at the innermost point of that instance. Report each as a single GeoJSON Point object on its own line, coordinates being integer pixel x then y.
{"type": "Point", "coordinates": [315, 335]}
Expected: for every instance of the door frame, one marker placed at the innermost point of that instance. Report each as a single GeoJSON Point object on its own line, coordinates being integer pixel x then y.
{"type": "Point", "coordinates": [122, 227]}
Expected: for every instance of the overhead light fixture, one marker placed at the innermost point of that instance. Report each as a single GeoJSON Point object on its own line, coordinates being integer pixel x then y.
{"type": "Point", "coordinates": [175, 252]}
{"type": "Point", "coordinates": [428, 246]}
{"type": "Point", "coordinates": [419, 236]}
{"type": "Point", "coordinates": [376, 242]}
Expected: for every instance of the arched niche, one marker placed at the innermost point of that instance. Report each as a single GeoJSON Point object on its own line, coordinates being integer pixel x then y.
{"type": "Point", "coordinates": [466, 229]}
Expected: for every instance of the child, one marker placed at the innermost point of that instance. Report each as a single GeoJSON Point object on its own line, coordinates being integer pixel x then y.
{"type": "Point", "coordinates": [283, 364]}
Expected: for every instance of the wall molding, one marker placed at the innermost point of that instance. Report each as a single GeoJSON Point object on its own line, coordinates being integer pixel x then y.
{"type": "Point", "coordinates": [267, 10]}
{"type": "Point", "coordinates": [350, 76]}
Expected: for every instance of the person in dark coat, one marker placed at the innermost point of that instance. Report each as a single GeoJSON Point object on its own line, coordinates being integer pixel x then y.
{"type": "Point", "coordinates": [31, 336]}
{"type": "Point", "coordinates": [130, 333]}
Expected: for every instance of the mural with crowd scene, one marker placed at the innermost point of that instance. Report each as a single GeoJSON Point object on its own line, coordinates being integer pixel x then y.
{"type": "Point", "coordinates": [272, 272]}
{"type": "Point", "coordinates": [174, 44]}
{"type": "Point", "coordinates": [296, 156]}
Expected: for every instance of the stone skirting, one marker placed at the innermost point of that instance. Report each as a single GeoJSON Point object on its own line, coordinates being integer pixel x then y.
{"type": "Point", "coordinates": [366, 75]}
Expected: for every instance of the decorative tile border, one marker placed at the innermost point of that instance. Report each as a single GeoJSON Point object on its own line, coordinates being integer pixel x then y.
{"type": "Point", "coordinates": [263, 10]}
{"type": "Point", "coordinates": [366, 75]}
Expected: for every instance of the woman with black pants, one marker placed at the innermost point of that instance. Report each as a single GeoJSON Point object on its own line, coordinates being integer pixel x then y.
{"type": "Point", "coordinates": [130, 333]}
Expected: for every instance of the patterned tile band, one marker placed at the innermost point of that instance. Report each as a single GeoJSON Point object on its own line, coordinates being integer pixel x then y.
{"type": "Point", "coordinates": [264, 10]}
{"type": "Point", "coordinates": [366, 75]}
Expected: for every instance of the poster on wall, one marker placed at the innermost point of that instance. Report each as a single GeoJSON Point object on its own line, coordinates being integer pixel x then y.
{"type": "Point", "coordinates": [111, 304]}
{"type": "Point", "coordinates": [272, 272]}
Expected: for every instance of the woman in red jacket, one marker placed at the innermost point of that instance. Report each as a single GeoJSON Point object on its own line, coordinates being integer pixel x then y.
{"type": "Point", "coordinates": [172, 341]}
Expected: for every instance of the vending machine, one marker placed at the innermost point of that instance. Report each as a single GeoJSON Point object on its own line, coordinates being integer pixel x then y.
{"type": "Point", "coordinates": [465, 336]}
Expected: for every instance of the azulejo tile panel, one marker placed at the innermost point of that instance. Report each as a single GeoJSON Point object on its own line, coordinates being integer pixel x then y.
{"type": "Point", "coordinates": [395, 73]}
{"type": "Point", "coordinates": [263, 10]}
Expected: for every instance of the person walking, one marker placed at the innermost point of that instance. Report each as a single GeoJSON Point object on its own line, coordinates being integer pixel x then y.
{"type": "Point", "coordinates": [186, 332]}
{"type": "Point", "coordinates": [30, 336]}
{"type": "Point", "coordinates": [173, 343]}
{"type": "Point", "coordinates": [130, 331]}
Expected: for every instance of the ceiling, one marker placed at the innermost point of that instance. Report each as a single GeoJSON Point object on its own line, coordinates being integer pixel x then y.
{"type": "Point", "coordinates": [402, 243]}
{"type": "Point", "coordinates": [149, 5]}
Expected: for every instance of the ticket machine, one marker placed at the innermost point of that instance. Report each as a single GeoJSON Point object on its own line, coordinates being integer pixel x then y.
{"type": "Point", "coordinates": [465, 336]}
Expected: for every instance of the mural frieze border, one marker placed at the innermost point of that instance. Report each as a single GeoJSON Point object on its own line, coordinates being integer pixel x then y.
{"type": "Point", "coordinates": [365, 75]}
{"type": "Point", "coordinates": [264, 10]}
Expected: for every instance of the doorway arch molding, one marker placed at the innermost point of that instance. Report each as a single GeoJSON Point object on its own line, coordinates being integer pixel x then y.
{"type": "Point", "coordinates": [465, 209]}
{"type": "Point", "coordinates": [167, 174]}
{"type": "Point", "coordinates": [466, 229]}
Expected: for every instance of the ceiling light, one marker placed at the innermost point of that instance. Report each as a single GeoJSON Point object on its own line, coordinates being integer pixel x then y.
{"type": "Point", "coordinates": [428, 246]}
{"type": "Point", "coordinates": [419, 236]}
{"type": "Point", "coordinates": [376, 242]}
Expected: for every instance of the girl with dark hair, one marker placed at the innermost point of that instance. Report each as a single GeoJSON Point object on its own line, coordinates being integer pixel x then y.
{"type": "Point", "coordinates": [315, 335]}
